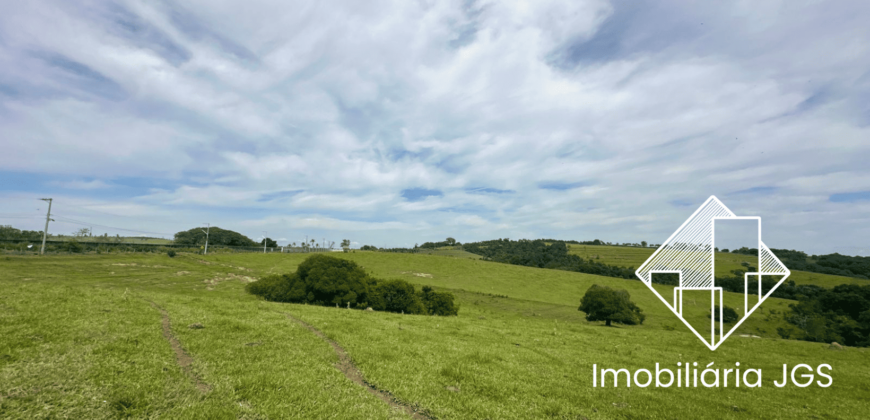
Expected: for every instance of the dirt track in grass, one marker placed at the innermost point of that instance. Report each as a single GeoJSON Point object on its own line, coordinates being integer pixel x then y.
{"type": "Point", "coordinates": [346, 366]}
{"type": "Point", "coordinates": [184, 360]}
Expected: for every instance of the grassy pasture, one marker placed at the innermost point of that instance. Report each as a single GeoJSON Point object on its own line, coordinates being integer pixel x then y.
{"type": "Point", "coordinates": [82, 340]}
{"type": "Point", "coordinates": [625, 256]}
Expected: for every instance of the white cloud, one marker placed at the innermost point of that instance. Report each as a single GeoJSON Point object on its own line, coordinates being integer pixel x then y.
{"type": "Point", "coordinates": [315, 117]}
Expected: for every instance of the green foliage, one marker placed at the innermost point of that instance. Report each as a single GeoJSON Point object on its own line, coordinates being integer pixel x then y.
{"type": "Point", "coordinates": [543, 254]}
{"type": "Point", "coordinates": [835, 264]}
{"type": "Point", "coordinates": [270, 244]}
{"type": "Point", "coordinates": [397, 296]}
{"type": "Point", "coordinates": [217, 236]}
{"type": "Point", "coordinates": [328, 281]}
{"type": "Point", "coordinates": [9, 232]}
{"type": "Point", "coordinates": [729, 315]}
{"type": "Point", "coordinates": [438, 303]}
{"type": "Point", "coordinates": [602, 303]}
{"type": "Point", "coordinates": [171, 253]}
{"type": "Point", "coordinates": [841, 314]}
{"type": "Point", "coordinates": [74, 246]}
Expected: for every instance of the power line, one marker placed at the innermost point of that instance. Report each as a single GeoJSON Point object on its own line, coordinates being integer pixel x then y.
{"type": "Point", "coordinates": [114, 215]}
{"type": "Point", "coordinates": [79, 222]}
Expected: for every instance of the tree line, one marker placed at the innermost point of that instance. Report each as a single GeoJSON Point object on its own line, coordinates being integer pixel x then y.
{"type": "Point", "coordinates": [541, 254]}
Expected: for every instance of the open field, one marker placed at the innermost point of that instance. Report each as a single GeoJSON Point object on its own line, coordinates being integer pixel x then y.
{"type": "Point", "coordinates": [626, 256]}
{"type": "Point", "coordinates": [87, 337]}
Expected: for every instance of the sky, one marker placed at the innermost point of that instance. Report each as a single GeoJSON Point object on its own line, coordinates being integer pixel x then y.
{"type": "Point", "coordinates": [392, 123]}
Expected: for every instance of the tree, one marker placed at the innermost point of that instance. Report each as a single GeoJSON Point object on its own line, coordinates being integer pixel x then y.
{"type": "Point", "coordinates": [643, 244]}
{"type": "Point", "coordinates": [269, 243]}
{"type": "Point", "coordinates": [438, 303]}
{"type": "Point", "coordinates": [81, 233]}
{"type": "Point", "coordinates": [729, 315]}
{"type": "Point", "coordinates": [217, 236]}
{"type": "Point", "coordinates": [601, 303]}
{"type": "Point", "coordinates": [397, 296]}
{"type": "Point", "coordinates": [451, 241]}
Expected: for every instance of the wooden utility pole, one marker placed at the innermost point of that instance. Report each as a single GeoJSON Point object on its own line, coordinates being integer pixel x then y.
{"type": "Point", "coordinates": [47, 219]}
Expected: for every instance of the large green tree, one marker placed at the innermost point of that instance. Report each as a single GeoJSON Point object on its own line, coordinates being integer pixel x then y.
{"type": "Point", "coordinates": [602, 303]}
{"type": "Point", "coordinates": [270, 243]}
{"type": "Point", "coordinates": [216, 236]}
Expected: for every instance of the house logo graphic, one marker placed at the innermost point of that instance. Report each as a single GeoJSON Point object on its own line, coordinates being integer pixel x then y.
{"type": "Point", "coordinates": [690, 253]}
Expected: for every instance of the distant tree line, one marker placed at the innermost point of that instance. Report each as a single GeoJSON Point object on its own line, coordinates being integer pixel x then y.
{"type": "Point", "coordinates": [836, 264]}
{"type": "Point", "coordinates": [788, 290]}
{"type": "Point", "coordinates": [434, 245]}
{"type": "Point", "coordinates": [642, 244]}
{"type": "Point", "coordinates": [9, 232]}
{"type": "Point", "coordinates": [539, 253]}
{"type": "Point", "coordinates": [327, 281]}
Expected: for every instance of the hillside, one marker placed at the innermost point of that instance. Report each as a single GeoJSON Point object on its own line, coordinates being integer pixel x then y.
{"type": "Point", "coordinates": [518, 349]}
{"type": "Point", "coordinates": [625, 256]}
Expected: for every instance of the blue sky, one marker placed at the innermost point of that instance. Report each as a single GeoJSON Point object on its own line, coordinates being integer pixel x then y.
{"type": "Point", "coordinates": [400, 122]}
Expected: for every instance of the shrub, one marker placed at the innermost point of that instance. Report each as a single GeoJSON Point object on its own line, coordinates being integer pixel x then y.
{"type": "Point", "coordinates": [171, 253]}
{"type": "Point", "coordinates": [74, 246]}
{"type": "Point", "coordinates": [321, 280]}
{"type": "Point", "coordinates": [438, 303]}
{"type": "Point", "coordinates": [326, 280]}
{"type": "Point", "coordinates": [601, 303]}
{"type": "Point", "coordinates": [729, 315]}
{"type": "Point", "coordinates": [397, 296]}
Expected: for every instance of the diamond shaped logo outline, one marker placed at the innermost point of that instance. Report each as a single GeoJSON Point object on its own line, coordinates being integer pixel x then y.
{"type": "Point", "coordinates": [690, 253]}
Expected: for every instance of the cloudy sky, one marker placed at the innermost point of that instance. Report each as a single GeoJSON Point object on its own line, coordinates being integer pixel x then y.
{"type": "Point", "coordinates": [394, 123]}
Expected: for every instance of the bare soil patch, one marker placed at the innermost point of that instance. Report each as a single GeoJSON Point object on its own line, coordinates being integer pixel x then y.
{"type": "Point", "coordinates": [212, 282]}
{"type": "Point", "coordinates": [181, 357]}
{"type": "Point", "coordinates": [424, 275]}
{"type": "Point", "coordinates": [139, 265]}
{"type": "Point", "coordinates": [346, 366]}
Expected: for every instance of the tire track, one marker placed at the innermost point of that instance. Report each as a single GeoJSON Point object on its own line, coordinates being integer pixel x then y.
{"type": "Point", "coordinates": [181, 357]}
{"type": "Point", "coordinates": [346, 366]}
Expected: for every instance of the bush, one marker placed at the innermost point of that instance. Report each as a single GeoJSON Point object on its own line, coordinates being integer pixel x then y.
{"type": "Point", "coordinates": [74, 246]}
{"type": "Point", "coordinates": [438, 303]}
{"type": "Point", "coordinates": [320, 280]}
{"type": "Point", "coordinates": [397, 296]}
{"type": "Point", "coordinates": [601, 303]}
{"type": "Point", "coordinates": [171, 253]}
{"type": "Point", "coordinates": [729, 315]}
{"type": "Point", "coordinates": [328, 281]}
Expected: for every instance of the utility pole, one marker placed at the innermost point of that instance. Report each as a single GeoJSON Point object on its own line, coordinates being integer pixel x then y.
{"type": "Point", "coordinates": [47, 219]}
{"type": "Point", "coordinates": [207, 229]}
{"type": "Point", "coordinates": [265, 242]}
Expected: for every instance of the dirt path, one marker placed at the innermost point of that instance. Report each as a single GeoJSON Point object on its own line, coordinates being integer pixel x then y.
{"type": "Point", "coordinates": [184, 360]}
{"type": "Point", "coordinates": [346, 366]}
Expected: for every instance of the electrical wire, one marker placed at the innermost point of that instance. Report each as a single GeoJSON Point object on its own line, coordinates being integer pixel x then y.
{"type": "Point", "coordinates": [83, 223]}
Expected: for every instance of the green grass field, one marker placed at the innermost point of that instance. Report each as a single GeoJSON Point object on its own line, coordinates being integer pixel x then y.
{"type": "Point", "coordinates": [625, 256]}
{"type": "Point", "coordinates": [83, 338]}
